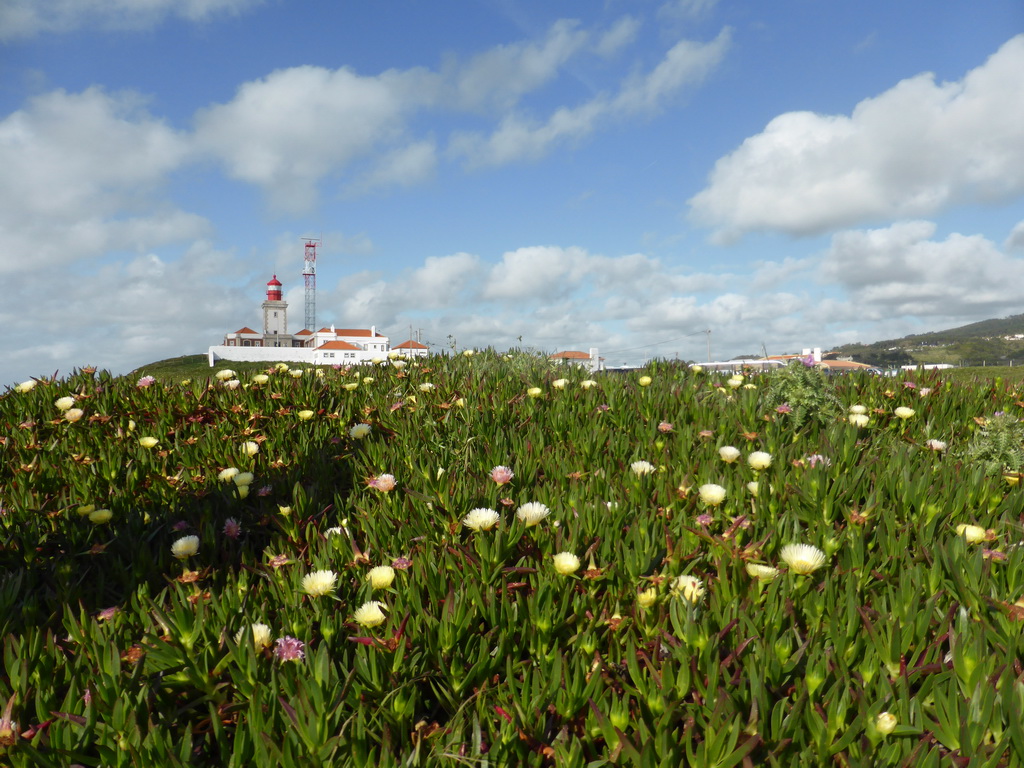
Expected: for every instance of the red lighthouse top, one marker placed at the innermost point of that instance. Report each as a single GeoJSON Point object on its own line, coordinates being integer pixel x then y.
{"type": "Point", "coordinates": [274, 289]}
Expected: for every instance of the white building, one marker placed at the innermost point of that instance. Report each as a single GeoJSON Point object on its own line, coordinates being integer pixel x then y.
{"type": "Point", "coordinates": [327, 346]}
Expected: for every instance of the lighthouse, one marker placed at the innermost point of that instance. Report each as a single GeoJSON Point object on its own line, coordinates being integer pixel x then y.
{"type": "Point", "coordinates": [275, 314]}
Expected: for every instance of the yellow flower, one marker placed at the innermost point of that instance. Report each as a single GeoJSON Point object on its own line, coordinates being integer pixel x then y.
{"type": "Point", "coordinates": [690, 588]}
{"type": "Point", "coordinates": [753, 487]}
{"type": "Point", "coordinates": [184, 547]}
{"type": "Point", "coordinates": [587, 384]}
{"type": "Point", "coordinates": [858, 419]}
{"type": "Point", "coordinates": [359, 431]}
{"type": "Point", "coordinates": [566, 563]}
{"type": "Point", "coordinates": [647, 598]}
{"type": "Point", "coordinates": [904, 413]}
{"type": "Point", "coordinates": [260, 636]}
{"type": "Point", "coordinates": [227, 474]}
{"type": "Point", "coordinates": [26, 386]}
{"type": "Point", "coordinates": [148, 442]}
{"type": "Point", "coordinates": [74, 414]}
{"type": "Point", "coordinates": [85, 509]}
{"type": "Point", "coordinates": [761, 572]}
{"type": "Point", "coordinates": [426, 386]}
{"type": "Point", "coordinates": [381, 576]}
{"type": "Point", "coordinates": [305, 415]}
{"type": "Point", "coordinates": [972, 533]}
{"type": "Point", "coordinates": [100, 516]}
{"type": "Point", "coordinates": [697, 368]}
{"type": "Point", "coordinates": [319, 583]}
{"type": "Point", "coordinates": [64, 403]}
{"type": "Point", "coordinates": [759, 460]}
{"type": "Point", "coordinates": [559, 383]}
{"type": "Point", "coordinates": [886, 723]}
{"type": "Point", "coordinates": [802, 558]}
{"type": "Point", "coordinates": [370, 614]}
{"type": "Point", "coordinates": [352, 385]}
{"type": "Point", "coordinates": [729, 453]}
{"type": "Point", "coordinates": [283, 511]}
{"type": "Point", "coordinates": [242, 478]}
{"type": "Point", "coordinates": [243, 491]}
{"type": "Point", "coordinates": [282, 367]}
{"type": "Point", "coordinates": [296, 374]}
{"type": "Point", "coordinates": [712, 494]}
{"type": "Point", "coordinates": [260, 378]}
{"type": "Point", "coordinates": [534, 391]}
{"type": "Point", "coordinates": [224, 375]}
{"type": "Point", "coordinates": [644, 381]}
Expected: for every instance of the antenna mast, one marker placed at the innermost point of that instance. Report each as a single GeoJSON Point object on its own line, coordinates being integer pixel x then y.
{"type": "Point", "coordinates": [309, 274]}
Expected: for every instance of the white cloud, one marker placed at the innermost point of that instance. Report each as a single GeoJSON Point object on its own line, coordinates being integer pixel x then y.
{"type": "Point", "coordinates": [500, 76]}
{"type": "Point", "coordinates": [296, 126]}
{"type": "Point", "coordinates": [82, 173]}
{"type": "Point", "coordinates": [519, 137]}
{"type": "Point", "coordinates": [404, 166]}
{"type": "Point", "coordinates": [621, 34]}
{"type": "Point", "coordinates": [1015, 242]}
{"type": "Point", "coordinates": [914, 150]}
{"type": "Point", "coordinates": [901, 270]}
{"type": "Point", "coordinates": [27, 18]}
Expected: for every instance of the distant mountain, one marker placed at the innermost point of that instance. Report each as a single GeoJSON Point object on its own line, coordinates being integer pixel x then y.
{"type": "Point", "coordinates": [981, 343]}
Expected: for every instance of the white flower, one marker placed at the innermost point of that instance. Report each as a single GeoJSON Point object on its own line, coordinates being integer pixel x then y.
{"type": "Point", "coordinates": [690, 588]}
{"type": "Point", "coordinates": [243, 478]}
{"type": "Point", "coordinates": [587, 384]}
{"type": "Point", "coordinates": [802, 558]}
{"type": "Point", "coordinates": [761, 572]}
{"type": "Point", "coordinates": [148, 442]}
{"type": "Point", "coordinates": [250, 448]}
{"type": "Point", "coordinates": [559, 383]}
{"type": "Point", "coordinates": [936, 445]}
{"type": "Point", "coordinates": [753, 487]}
{"type": "Point", "coordinates": [647, 598]}
{"type": "Point", "coordinates": [224, 375]}
{"type": "Point", "coordinates": [904, 413]}
{"type": "Point", "coordinates": [712, 494]}
{"type": "Point", "coordinates": [697, 368]}
{"type": "Point", "coordinates": [858, 419]}
{"type": "Point", "coordinates": [184, 547]}
{"type": "Point", "coordinates": [26, 386]}
{"type": "Point", "coordinates": [232, 384]}
{"type": "Point", "coordinates": [735, 382]}
{"type": "Point", "coordinates": [359, 431]}
{"type": "Point", "coordinates": [729, 453]}
{"type": "Point", "coordinates": [317, 583]}
{"type": "Point", "coordinates": [481, 519]}
{"type": "Point", "coordinates": [227, 474]}
{"type": "Point", "coordinates": [64, 403]}
{"type": "Point", "coordinates": [759, 460]}
{"type": "Point", "coordinates": [426, 386]}
{"type": "Point", "coordinates": [74, 414]}
{"type": "Point", "coordinates": [305, 415]}
{"type": "Point", "coordinates": [296, 374]}
{"type": "Point", "coordinates": [566, 563]}
{"type": "Point", "coordinates": [532, 512]}
{"type": "Point", "coordinates": [858, 409]}
{"type": "Point", "coordinates": [641, 468]}
{"type": "Point", "coordinates": [260, 378]}
{"type": "Point", "coordinates": [399, 364]}
{"type": "Point", "coordinates": [260, 636]}
{"type": "Point", "coordinates": [381, 576]}
{"type": "Point", "coordinates": [369, 614]}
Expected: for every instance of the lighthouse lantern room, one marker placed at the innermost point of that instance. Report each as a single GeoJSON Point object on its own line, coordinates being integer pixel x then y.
{"type": "Point", "coordinates": [275, 311]}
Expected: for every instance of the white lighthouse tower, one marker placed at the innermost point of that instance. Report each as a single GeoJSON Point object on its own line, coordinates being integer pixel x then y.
{"type": "Point", "coordinates": [275, 314]}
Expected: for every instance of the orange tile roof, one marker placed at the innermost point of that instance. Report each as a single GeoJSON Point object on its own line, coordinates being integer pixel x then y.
{"type": "Point", "coordinates": [245, 329]}
{"type": "Point", "coordinates": [410, 345]}
{"type": "Point", "coordinates": [304, 332]}
{"type": "Point", "coordinates": [572, 354]}
{"type": "Point", "coordinates": [338, 345]}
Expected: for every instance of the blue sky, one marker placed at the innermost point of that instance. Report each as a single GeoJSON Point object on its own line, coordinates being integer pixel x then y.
{"type": "Point", "coordinates": [622, 175]}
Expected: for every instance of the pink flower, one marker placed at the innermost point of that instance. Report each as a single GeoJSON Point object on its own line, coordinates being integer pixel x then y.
{"type": "Point", "coordinates": [665, 427]}
{"type": "Point", "coordinates": [232, 528]}
{"type": "Point", "coordinates": [107, 614]}
{"type": "Point", "coordinates": [264, 490]}
{"type": "Point", "coordinates": [289, 649]}
{"type": "Point", "coordinates": [146, 381]}
{"type": "Point", "coordinates": [401, 563]}
{"type": "Point", "coordinates": [704, 519]}
{"type": "Point", "coordinates": [383, 483]}
{"type": "Point", "coordinates": [87, 696]}
{"type": "Point", "coordinates": [501, 475]}
{"type": "Point", "coordinates": [181, 525]}
{"type": "Point", "coordinates": [816, 458]}
{"type": "Point", "coordinates": [784, 408]}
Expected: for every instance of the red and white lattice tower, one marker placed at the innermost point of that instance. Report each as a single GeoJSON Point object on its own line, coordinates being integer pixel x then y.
{"type": "Point", "coordinates": [309, 273]}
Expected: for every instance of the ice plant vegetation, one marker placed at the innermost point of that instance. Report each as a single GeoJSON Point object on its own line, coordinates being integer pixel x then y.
{"type": "Point", "coordinates": [154, 611]}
